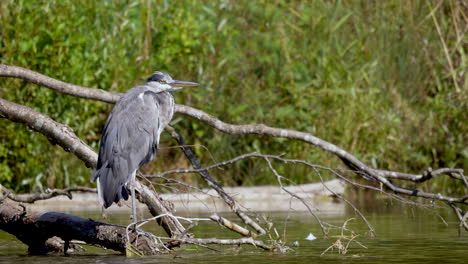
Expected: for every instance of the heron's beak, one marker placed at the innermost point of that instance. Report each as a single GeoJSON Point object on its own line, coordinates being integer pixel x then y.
{"type": "Point", "coordinates": [176, 83]}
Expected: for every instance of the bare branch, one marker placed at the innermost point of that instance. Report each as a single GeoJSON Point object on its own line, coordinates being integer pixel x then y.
{"type": "Point", "coordinates": [50, 193]}
{"type": "Point", "coordinates": [462, 217]}
{"type": "Point", "coordinates": [278, 178]}
{"type": "Point", "coordinates": [59, 86]}
{"type": "Point", "coordinates": [399, 190]}
{"type": "Point", "coordinates": [56, 133]}
{"type": "Point", "coordinates": [274, 132]}
{"type": "Point", "coordinates": [349, 160]}
{"type": "Point", "coordinates": [427, 175]}
{"type": "Point", "coordinates": [371, 228]}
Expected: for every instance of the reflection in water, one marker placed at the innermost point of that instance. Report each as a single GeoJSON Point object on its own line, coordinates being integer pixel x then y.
{"type": "Point", "coordinates": [404, 235]}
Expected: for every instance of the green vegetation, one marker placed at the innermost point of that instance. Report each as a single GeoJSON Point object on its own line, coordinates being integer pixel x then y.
{"type": "Point", "coordinates": [385, 80]}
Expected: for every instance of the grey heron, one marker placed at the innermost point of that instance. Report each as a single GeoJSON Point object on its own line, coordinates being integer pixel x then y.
{"type": "Point", "coordinates": [130, 137]}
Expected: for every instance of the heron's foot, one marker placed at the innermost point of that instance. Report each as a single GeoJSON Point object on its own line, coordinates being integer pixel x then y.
{"type": "Point", "coordinates": [133, 226]}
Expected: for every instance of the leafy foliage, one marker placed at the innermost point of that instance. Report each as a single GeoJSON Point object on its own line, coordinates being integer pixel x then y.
{"type": "Point", "coordinates": [376, 78]}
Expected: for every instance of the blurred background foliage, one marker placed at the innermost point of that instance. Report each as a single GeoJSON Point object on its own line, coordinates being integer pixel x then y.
{"type": "Point", "coordinates": [385, 80]}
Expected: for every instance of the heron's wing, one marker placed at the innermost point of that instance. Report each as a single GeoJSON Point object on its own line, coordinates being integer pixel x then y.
{"type": "Point", "coordinates": [131, 134]}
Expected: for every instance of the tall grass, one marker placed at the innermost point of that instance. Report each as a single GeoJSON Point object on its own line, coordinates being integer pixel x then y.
{"type": "Point", "coordinates": [385, 80]}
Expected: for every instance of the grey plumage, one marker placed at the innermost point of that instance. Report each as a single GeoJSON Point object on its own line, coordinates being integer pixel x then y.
{"type": "Point", "coordinates": [131, 134]}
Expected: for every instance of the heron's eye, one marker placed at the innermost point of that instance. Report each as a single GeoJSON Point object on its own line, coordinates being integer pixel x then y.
{"type": "Point", "coordinates": [162, 81]}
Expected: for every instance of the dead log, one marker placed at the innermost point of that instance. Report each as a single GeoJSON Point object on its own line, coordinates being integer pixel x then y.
{"type": "Point", "coordinates": [36, 229]}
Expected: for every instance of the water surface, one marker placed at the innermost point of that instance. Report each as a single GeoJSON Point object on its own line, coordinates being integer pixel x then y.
{"type": "Point", "coordinates": [404, 235]}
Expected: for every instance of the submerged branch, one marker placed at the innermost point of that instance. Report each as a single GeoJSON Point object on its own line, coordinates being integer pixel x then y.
{"type": "Point", "coordinates": [238, 242]}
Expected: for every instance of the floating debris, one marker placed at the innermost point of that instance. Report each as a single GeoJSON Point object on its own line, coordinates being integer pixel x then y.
{"type": "Point", "coordinates": [310, 237]}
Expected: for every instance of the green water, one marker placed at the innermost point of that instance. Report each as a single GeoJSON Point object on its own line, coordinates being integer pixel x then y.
{"type": "Point", "coordinates": [404, 235]}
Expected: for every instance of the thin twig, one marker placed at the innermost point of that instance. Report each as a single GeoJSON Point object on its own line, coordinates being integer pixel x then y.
{"type": "Point", "coordinates": [371, 228]}
{"type": "Point", "coordinates": [278, 177]}
{"type": "Point", "coordinates": [231, 202]}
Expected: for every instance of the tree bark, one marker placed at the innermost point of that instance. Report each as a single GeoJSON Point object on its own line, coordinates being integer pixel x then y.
{"type": "Point", "coordinates": [35, 229]}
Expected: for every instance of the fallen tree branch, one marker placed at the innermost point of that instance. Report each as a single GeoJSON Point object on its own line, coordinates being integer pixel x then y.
{"type": "Point", "coordinates": [34, 229]}
{"type": "Point", "coordinates": [97, 94]}
{"type": "Point", "coordinates": [275, 246]}
{"type": "Point", "coordinates": [463, 216]}
{"type": "Point", "coordinates": [155, 204]}
{"type": "Point", "coordinates": [349, 160]}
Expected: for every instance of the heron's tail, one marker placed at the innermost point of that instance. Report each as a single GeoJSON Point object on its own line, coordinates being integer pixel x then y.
{"type": "Point", "coordinates": [109, 189]}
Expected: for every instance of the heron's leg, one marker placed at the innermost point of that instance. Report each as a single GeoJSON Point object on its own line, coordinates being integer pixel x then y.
{"type": "Point", "coordinates": [103, 213]}
{"type": "Point", "coordinates": [132, 190]}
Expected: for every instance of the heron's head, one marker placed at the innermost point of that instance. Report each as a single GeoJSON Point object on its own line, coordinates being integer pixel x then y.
{"type": "Point", "coordinates": [163, 82]}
